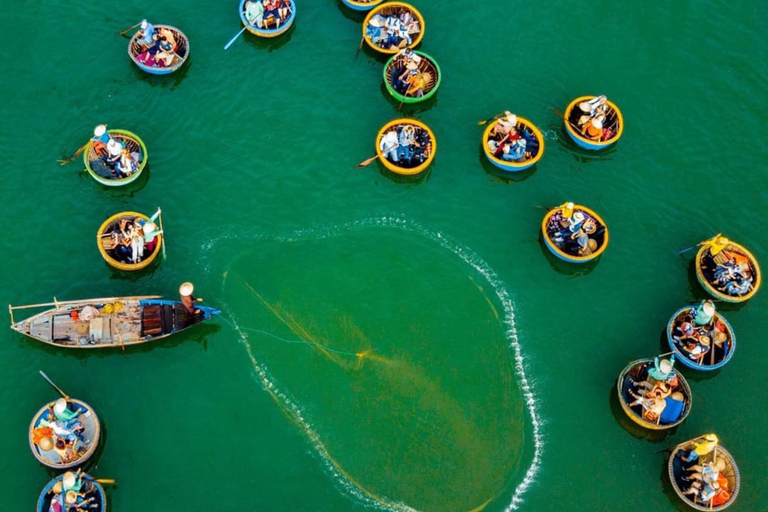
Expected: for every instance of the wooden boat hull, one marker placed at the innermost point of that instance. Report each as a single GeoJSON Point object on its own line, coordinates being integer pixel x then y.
{"type": "Point", "coordinates": [514, 166]}
{"type": "Point", "coordinates": [428, 64]}
{"type": "Point", "coordinates": [112, 262]}
{"type": "Point", "coordinates": [44, 501]}
{"type": "Point", "coordinates": [268, 33]}
{"type": "Point", "coordinates": [92, 432]}
{"type": "Point", "coordinates": [675, 472]}
{"type": "Point", "coordinates": [394, 7]}
{"type": "Point", "coordinates": [559, 253]}
{"type": "Point", "coordinates": [632, 370]}
{"type": "Point", "coordinates": [133, 143]}
{"type": "Point", "coordinates": [361, 6]}
{"type": "Point", "coordinates": [710, 288]}
{"type": "Point", "coordinates": [410, 171]}
{"type": "Point", "coordinates": [136, 321]}
{"type": "Point", "coordinates": [182, 52]}
{"type": "Point", "coordinates": [582, 141]}
{"type": "Point", "coordinates": [684, 359]}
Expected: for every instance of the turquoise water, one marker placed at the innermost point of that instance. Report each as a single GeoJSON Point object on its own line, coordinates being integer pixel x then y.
{"type": "Point", "coordinates": [252, 154]}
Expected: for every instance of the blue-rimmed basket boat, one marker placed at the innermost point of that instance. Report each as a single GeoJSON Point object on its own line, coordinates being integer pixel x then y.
{"type": "Point", "coordinates": [676, 471]}
{"type": "Point", "coordinates": [426, 66]}
{"type": "Point", "coordinates": [180, 50]}
{"type": "Point", "coordinates": [91, 488]}
{"type": "Point", "coordinates": [705, 271]}
{"type": "Point", "coordinates": [614, 122]}
{"type": "Point", "coordinates": [362, 5]}
{"type": "Point", "coordinates": [106, 244]}
{"type": "Point", "coordinates": [602, 239]}
{"type": "Point", "coordinates": [534, 140]}
{"type": "Point", "coordinates": [393, 166]}
{"type": "Point", "coordinates": [272, 29]}
{"type": "Point", "coordinates": [395, 9]}
{"type": "Point", "coordinates": [92, 434]}
{"type": "Point", "coordinates": [638, 371]}
{"type": "Point", "coordinates": [720, 352]}
{"type": "Point", "coordinates": [132, 143]}
{"type": "Point", "coordinates": [120, 322]}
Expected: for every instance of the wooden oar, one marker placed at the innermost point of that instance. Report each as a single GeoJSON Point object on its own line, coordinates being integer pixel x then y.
{"type": "Point", "coordinates": [234, 39]}
{"type": "Point", "coordinates": [160, 218]}
{"type": "Point", "coordinates": [109, 481]}
{"type": "Point", "coordinates": [366, 163]}
{"type": "Point", "coordinates": [72, 158]}
{"type": "Point", "coordinates": [128, 29]}
{"type": "Point", "coordinates": [560, 114]}
{"type": "Point", "coordinates": [486, 121]}
{"type": "Point", "coordinates": [57, 388]}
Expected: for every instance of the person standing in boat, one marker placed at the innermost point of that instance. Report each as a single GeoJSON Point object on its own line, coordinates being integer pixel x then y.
{"type": "Point", "coordinates": [100, 139]}
{"type": "Point", "coordinates": [388, 145]}
{"type": "Point", "coordinates": [254, 12]}
{"type": "Point", "coordinates": [505, 126]}
{"type": "Point", "coordinates": [405, 143]}
{"type": "Point", "coordinates": [146, 35]}
{"type": "Point", "coordinates": [149, 228]}
{"type": "Point", "coordinates": [187, 300]}
{"type": "Point", "coordinates": [137, 245]}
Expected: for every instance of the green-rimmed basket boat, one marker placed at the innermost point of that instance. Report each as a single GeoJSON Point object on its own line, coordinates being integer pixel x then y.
{"type": "Point", "coordinates": [426, 66]}
{"type": "Point", "coordinates": [132, 143]}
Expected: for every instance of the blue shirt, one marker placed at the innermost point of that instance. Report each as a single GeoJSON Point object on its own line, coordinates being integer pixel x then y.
{"type": "Point", "coordinates": [148, 33]}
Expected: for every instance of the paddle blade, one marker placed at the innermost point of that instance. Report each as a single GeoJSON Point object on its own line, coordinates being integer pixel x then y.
{"type": "Point", "coordinates": [63, 162]}
{"type": "Point", "coordinates": [109, 481]}
{"type": "Point", "coordinates": [366, 163]}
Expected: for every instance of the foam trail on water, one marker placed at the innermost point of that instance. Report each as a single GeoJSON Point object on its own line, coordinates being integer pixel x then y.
{"type": "Point", "coordinates": [470, 258]}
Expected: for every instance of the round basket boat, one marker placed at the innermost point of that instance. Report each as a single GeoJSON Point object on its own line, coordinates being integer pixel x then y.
{"type": "Point", "coordinates": [361, 5]}
{"type": "Point", "coordinates": [90, 490]}
{"type": "Point", "coordinates": [424, 137]}
{"type": "Point", "coordinates": [106, 239]}
{"type": "Point", "coordinates": [674, 413]}
{"type": "Point", "coordinates": [427, 67]}
{"type": "Point", "coordinates": [98, 169]}
{"type": "Point", "coordinates": [91, 434]}
{"type": "Point", "coordinates": [534, 147]}
{"type": "Point", "coordinates": [720, 253]}
{"type": "Point", "coordinates": [614, 123]}
{"type": "Point", "coordinates": [376, 37]}
{"type": "Point", "coordinates": [729, 479]}
{"type": "Point", "coordinates": [273, 25]}
{"type": "Point", "coordinates": [721, 349]}
{"type": "Point", "coordinates": [550, 227]}
{"type": "Point", "coordinates": [177, 57]}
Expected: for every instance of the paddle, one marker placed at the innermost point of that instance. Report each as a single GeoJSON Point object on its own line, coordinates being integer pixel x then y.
{"type": "Point", "coordinates": [109, 481]}
{"type": "Point", "coordinates": [57, 388]}
{"type": "Point", "coordinates": [128, 29]}
{"type": "Point", "coordinates": [160, 218]}
{"type": "Point", "coordinates": [486, 121]}
{"type": "Point", "coordinates": [65, 161]}
{"type": "Point", "coordinates": [560, 114]}
{"type": "Point", "coordinates": [234, 39]}
{"type": "Point", "coordinates": [366, 163]}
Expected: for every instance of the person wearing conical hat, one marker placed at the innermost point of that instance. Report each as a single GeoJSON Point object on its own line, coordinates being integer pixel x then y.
{"type": "Point", "coordinates": [416, 84]}
{"type": "Point", "coordinates": [146, 34]}
{"type": "Point", "coordinates": [505, 125]}
{"type": "Point", "coordinates": [187, 300]}
{"type": "Point", "coordinates": [704, 313]}
{"type": "Point", "coordinates": [702, 446]}
{"type": "Point", "coordinates": [254, 13]}
{"type": "Point", "coordinates": [593, 130]}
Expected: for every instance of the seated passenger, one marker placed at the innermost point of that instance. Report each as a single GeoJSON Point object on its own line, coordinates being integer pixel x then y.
{"type": "Point", "coordinates": [416, 85]}
{"type": "Point", "coordinates": [100, 139]}
{"type": "Point", "coordinates": [165, 53]}
{"type": "Point", "coordinates": [701, 447]}
{"type": "Point", "coordinates": [126, 165]}
{"type": "Point", "coordinates": [114, 153]}
{"type": "Point", "coordinates": [652, 406]}
{"type": "Point", "coordinates": [284, 8]}
{"type": "Point", "coordinates": [593, 130]}
{"type": "Point", "coordinates": [137, 245]}
{"type": "Point", "coordinates": [704, 313]}
{"type": "Point", "coordinates": [422, 147]}
{"type": "Point", "coordinates": [393, 31]}
{"type": "Point", "coordinates": [388, 145]}
{"type": "Point", "coordinates": [703, 492]}
{"type": "Point", "coordinates": [271, 11]}
{"type": "Point", "coordinates": [592, 109]}
{"type": "Point", "coordinates": [375, 29]}
{"type": "Point", "coordinates": [405, 142]}
{"type": "Point", "coordinates": [504, 125]}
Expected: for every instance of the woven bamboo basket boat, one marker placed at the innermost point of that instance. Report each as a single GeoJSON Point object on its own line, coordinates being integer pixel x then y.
{"type": "Point", "coordinates": [92, 434]}
{"type": "Point", "coordinates": [132, 143]}
{"type": "Point", "coordinates": [105, 240]}
{"type": "Point", "coordinates": [602, 238]}
{"type": "Point", "coordinates": [427, 66]}
{"type": "Point", "coordinates": [274, 26]}
{"type": "Point", "coordinates": [614, 122]}
{"type": "Point", "coordinates": [720, 352]}
{"type": "Point", "coordinates": [535, 145]}
{"type": "Point", "coordinates": [706, 263]}
{"type": "Point", "coordinates": [638, 371]}
{"type": "Point", "coordinates": [729, 476]}
{"type": "Point", "coordinates": [91, 489]}
{"type": "Point", "coordinates": [180, 51]}
{"type": "Point", "coordinates": [431, 143]}
{"type": "Point", "coordinates": [416, 32]}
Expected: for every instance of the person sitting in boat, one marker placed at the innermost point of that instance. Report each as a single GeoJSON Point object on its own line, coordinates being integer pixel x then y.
{"type": "Point", "coordinates": [187, 300]}
{"type": "Point", "coordinates": [388, 145]}
{"type": "Point", "coordinates": [284, 8]}
{"type": "Point", "coordinates": [405, 142]}
{"type": "Point", "coordinates": [66, 450]}
{"type": "Point", "coordinates": [254, 12]}
{"type": "Point", "coordinates": [137, 245]}
{"type": "Point", "coordinates": [703, 492]}
{"type": "Point", "coordinates": [704, 313]}
{"type": "Point", "coordinates": [271, 11]}
{"type": "Point", "coordinates": [146, 34]}
{"type": "Point", "coordinates": [165, 54]}
{"type": "Point", "coordinates": [375, 29]}
{"type": "Point", "coordinates": [653, 406]}
{"type": "Point", "coordinates": [394, 31]}
{"type": "Point", "coordinates": [150, 231]}
{"type": "Point", "coordinates": [114, 153]}
{"type": "Point", "coordinates": [126, 164]}
{"type": "Point", "coordinates": [505, 126]}
{"type": "Point", "coordinates": [707, 472]}
{"type": "Point", "coordinates": [701, 447]}
{"type": "Point", "coordinates": [422, 147]}
{"type": "Point", "coordinates": [416, 84]}
{"type": "Point", "coordinates": [592, 108]}
{"type": "Point", "coordinates": [100, 139]}
{"type": "Point", "coordinates": [593, 130]}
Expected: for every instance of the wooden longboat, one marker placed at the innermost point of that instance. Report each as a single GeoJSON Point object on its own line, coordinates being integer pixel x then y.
{"type": "Point", "coordinates": [92, 434]}
{"type": "Point", "coordinates": [602, 237]}
{"type": "Point", "coordinates": [106, 242]}
{"type": "Point", "coordinates": [638, 371]}
{"type": "Point", "coordinates": [706, 264]}
{"type": "Point", "coordinates": [393, 166]}
{"type": "Point", "coordinates": [361, 5]}
{"type": "Point", "coordinates": [93, 159]}
{"type": "Point", "coordinates": [91, 488]}
{"type": "Point", "coordinates": [120, 321]}
{"type": "Point", "coordinates": [180, 50]}
{"type": "Point", "coordinates": [614, 122]}
{"type": "Point", "coordinates": [720, 353]}
{"type": "Point", "coordinates": [426, 65]}
{"type": "Point", "coordinates": [676, 470]}
{"type": "Point", "coordinates": [395, 9]}
{"type": "Point", "coordinates": [271, 29]}
{"type": "Point", "coordinates": [535, 142]}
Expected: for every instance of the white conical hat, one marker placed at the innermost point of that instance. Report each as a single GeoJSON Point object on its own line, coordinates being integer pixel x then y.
{"type": "Point", "coordinates": [100, 130]}
{"type": "Point", "coordinates": [149, 227]}
{"type": "Point", "coordinates": [69, 479]}
{"type": "Point", "coordinates": [597, 124]}
{"type": "Point", "coordinates": [60, 406]}
{"type": "Point", "coordinates": [114, 147]}
{"type": "Point", "coordinates": [186, 289]}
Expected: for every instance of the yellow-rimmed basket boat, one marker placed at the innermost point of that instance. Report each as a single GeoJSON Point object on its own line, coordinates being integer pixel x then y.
{"type": "Point", "coordinates": [107, 239]}
{"type": "Point", "coordinates": [534, 145]}
{"type": "Point", "coordinates": [729, 478]}
{"type": "Point", "coordinates": [637, 371]}
{"type": "Point", "coordinates": [376, 36]}
{"type": "Point", "coordinates": [717, 251]}
{"type": "Point", "coordinates": [87, 447]}
{"type": "Point", "coordinates": [614, 122]}
{"type": "Point", "coordinates": [180, 52]}
{"type": "Point", "coordinates": [98, 171]}
{"type": "Point", "coordinates": [601, 235]}
{"type": "Point", "coordinates": [428, 145]}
